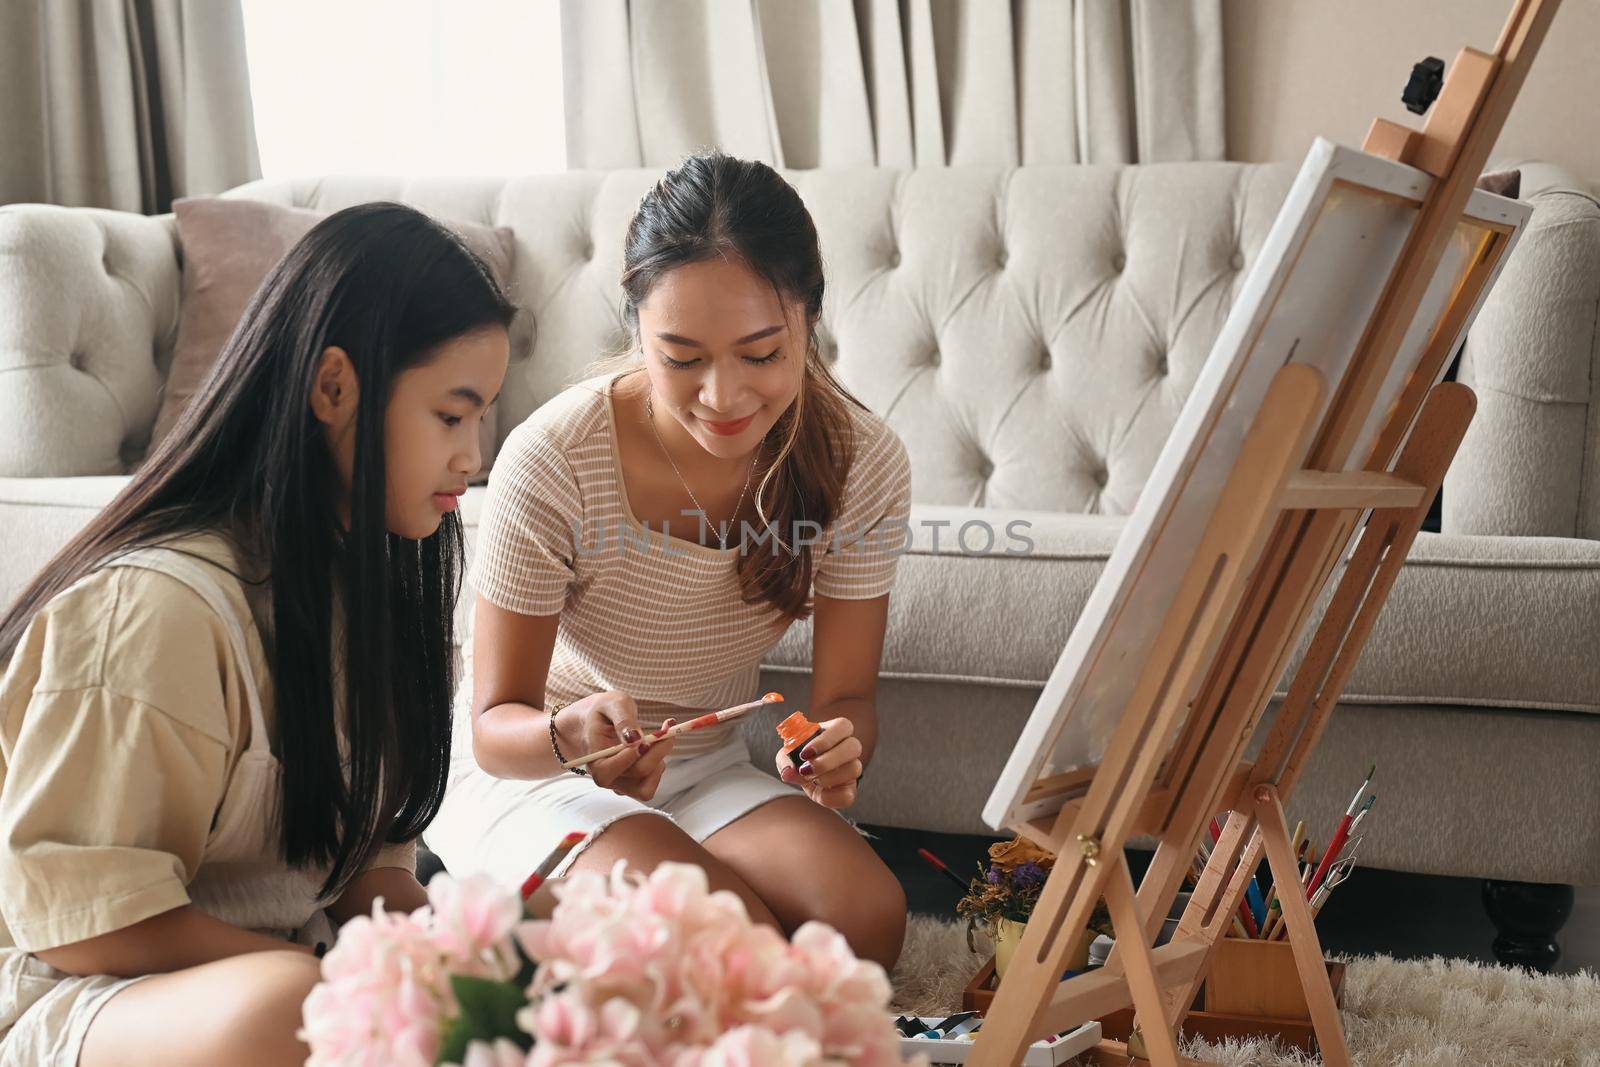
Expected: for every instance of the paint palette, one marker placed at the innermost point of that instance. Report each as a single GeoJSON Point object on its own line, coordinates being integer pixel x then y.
{"type": "Point", "coordinates": [1058, 1050]}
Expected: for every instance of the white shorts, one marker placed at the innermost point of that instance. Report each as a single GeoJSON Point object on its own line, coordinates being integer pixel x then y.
{"type": "Point", "coordinates": [504, 827]}
{"type": "Point", "coordinates": [44, 1013]}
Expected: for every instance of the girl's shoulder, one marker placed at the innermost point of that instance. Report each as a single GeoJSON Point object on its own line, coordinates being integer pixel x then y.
{"type": "Point", "coordinates": [143, 633]}
{"type": "Point", "coordinates": [123, 585]}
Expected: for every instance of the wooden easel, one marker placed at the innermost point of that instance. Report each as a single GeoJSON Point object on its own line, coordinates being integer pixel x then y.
{"type": "Point", "coordinates": [1282, 523]}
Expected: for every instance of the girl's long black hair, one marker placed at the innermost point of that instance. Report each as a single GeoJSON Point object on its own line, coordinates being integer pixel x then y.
{"type": "Point", "coordinates": [248, 458]}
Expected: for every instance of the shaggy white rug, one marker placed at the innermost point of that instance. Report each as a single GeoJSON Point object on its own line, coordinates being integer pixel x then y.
{"type": "Point", "coordinates": [1397, 1013]}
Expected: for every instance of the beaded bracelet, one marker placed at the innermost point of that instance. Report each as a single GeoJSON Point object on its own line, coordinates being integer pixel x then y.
{"type": "Point", "coordinates": [555, 746]}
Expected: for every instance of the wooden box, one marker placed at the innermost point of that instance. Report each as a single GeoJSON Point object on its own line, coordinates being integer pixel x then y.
{"type": "Point", "coordinates": [1243, 972]}
{"type": "Point", "coordinates": [1257, 978]}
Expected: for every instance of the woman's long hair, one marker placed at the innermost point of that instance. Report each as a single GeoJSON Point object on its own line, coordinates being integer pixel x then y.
{"type": "Point", "coordinates": [387, 285]}
{"type": "Point", "coordinates": [713, 206]}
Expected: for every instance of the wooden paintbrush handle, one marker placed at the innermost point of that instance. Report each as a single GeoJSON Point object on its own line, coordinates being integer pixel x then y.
{"type": "Point", "coordinates": [710, 718]}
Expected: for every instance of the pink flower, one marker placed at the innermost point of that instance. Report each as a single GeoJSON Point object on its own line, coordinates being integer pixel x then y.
{"type": "Point", "coordinates": [755, 1046]}
{"type": "Point", "coordinates": [383, 995]}
{"type": "Point", "coordinates": [500, 1054]}
{"type": "Point", "coordinates": [633, 971]}
{"type": "Point", "coordinates": [568, 1030]}
{"type": "Point", "coordinates": [472, 923]}
{"type": "Point", "coordinates": [678, 969]}
{"type": "Point", "coordinates": [385, 990]}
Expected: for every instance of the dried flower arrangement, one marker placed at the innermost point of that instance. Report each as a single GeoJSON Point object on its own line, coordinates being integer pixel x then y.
{"type": "Point", "coordinates": [1009, 887]}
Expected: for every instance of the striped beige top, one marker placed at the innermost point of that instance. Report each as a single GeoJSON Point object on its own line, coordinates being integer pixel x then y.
{"type": "Point", "coordinates": [660, 619]}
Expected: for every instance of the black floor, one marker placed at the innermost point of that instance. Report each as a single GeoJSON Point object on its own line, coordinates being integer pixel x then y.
{"type": "Point", "coordinates": [1404, 915]}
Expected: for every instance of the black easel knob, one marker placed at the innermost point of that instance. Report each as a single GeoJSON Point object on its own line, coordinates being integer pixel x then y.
{"type": "Point", "coordinates": [1427, 79]}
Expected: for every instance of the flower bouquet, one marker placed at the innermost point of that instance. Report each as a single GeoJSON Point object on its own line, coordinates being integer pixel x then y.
{"type": "Point", "coordinates": [630, 971]}
{"type": "Point", "coordinates": [1005, 891]}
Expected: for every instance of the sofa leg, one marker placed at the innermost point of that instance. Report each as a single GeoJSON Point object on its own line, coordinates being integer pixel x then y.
{"type": "Point", "coordinates": [1527, 916]}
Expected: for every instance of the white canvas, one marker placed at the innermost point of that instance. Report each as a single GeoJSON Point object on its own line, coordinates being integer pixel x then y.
{"type": "Point", "coordinates": [1307, 299]}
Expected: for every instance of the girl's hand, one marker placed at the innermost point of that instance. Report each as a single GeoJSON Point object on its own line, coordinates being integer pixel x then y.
{"type": "Point", "coordinates": [605, 719]}
{"type": "Point", "coordinates": [832, 765]}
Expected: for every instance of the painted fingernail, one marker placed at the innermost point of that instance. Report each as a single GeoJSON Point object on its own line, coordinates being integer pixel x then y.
{"type": "Point", "coordinates": [807, 770]}
{"type": "Point", "coordinates": [808, 753]}
{"type": "Point", "coordinates": [643, 749]}
{"type": "Point", "coordinates": [630, 735]}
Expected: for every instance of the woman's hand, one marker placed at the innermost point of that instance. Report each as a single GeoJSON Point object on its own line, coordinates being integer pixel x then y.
{"type": "Point", "coordinates": [603, 720]}
{"type": "Point", "coordinates": [832, 765]}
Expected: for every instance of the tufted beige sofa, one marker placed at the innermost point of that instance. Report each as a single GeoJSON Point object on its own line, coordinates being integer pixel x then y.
{"type": "Point", "coordinates": [1031, 334]}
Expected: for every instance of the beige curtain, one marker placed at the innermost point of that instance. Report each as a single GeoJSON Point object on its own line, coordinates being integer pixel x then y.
{"type": "Point", "coordinates": [838, 83]}
{"type": "Point", "coordinates": [123, 103]}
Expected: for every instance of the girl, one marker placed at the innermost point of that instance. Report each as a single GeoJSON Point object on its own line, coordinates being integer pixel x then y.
{"type": "Point", "coordinates": [647, 537]}
{"type": "Point", "coordinates": [224, 714]}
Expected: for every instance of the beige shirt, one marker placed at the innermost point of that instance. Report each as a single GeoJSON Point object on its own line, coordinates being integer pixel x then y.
{"type": "Point", "coordinates": [662, 620]}
{"type": "Point", "coordinates": [122, 718]}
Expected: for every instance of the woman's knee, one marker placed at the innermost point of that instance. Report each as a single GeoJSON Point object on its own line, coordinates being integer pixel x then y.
{"type": "Point", "coordinates": [646, 841]}
{"type": "Point", "coordinates": [869, 909]}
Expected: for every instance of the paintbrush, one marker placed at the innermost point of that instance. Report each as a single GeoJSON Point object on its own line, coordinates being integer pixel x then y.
{"type": "Point", "coordinates": [939, 865]}
{"type": "Point", "coordinates": [710, 718]}
{"type": "Point", "coordinates": [1340, 835]}
{"type": "Point", "coordinates": [551, 862]}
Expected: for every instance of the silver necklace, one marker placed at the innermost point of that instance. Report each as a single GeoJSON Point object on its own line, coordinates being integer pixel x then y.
{"type": "Point", "coordinates": [722, 540]}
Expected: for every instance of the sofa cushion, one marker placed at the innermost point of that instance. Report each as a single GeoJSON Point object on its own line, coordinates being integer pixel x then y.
{"type": "Point", "coordinates": [39, 516]}
{"type": "Point", "coordinates": [229, 246]}
{"type": "Point", "coordinates": [1527, 465]}
{"type": "Point", "coordinates": [1495, 621]}
{"type": "Point", "coordinates": [88, 308]}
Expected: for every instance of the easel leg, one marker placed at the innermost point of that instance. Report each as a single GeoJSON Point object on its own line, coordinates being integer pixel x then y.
{"type": "Point", "coordinates": [1149, 1004]}
{"type": "Point", "coordinates": [1302, 930]}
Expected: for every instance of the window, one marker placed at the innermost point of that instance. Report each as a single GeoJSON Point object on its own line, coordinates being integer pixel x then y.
{"type": "Point", "coordinates": [406, 87]}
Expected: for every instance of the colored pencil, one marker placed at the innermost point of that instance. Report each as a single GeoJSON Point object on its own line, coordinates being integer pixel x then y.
{"type": "Point", "coordinates": [711, 718]}
{"type": "Point", "coordinates": [1305, 875]}
{"type": "Point", "coordinates": [1273, 914]}
{"type": "Point", "coordinates": [1297, 845]}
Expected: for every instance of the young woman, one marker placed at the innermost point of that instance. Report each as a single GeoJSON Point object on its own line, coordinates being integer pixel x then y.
{"type": "Point", "coordinates": [225, 711]}
{"type": "Point", "coordinates": [647, 537]}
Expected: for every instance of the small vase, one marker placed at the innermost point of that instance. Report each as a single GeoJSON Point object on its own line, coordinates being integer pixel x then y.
{"type": "Point", "coordinates": [1008, 935]}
